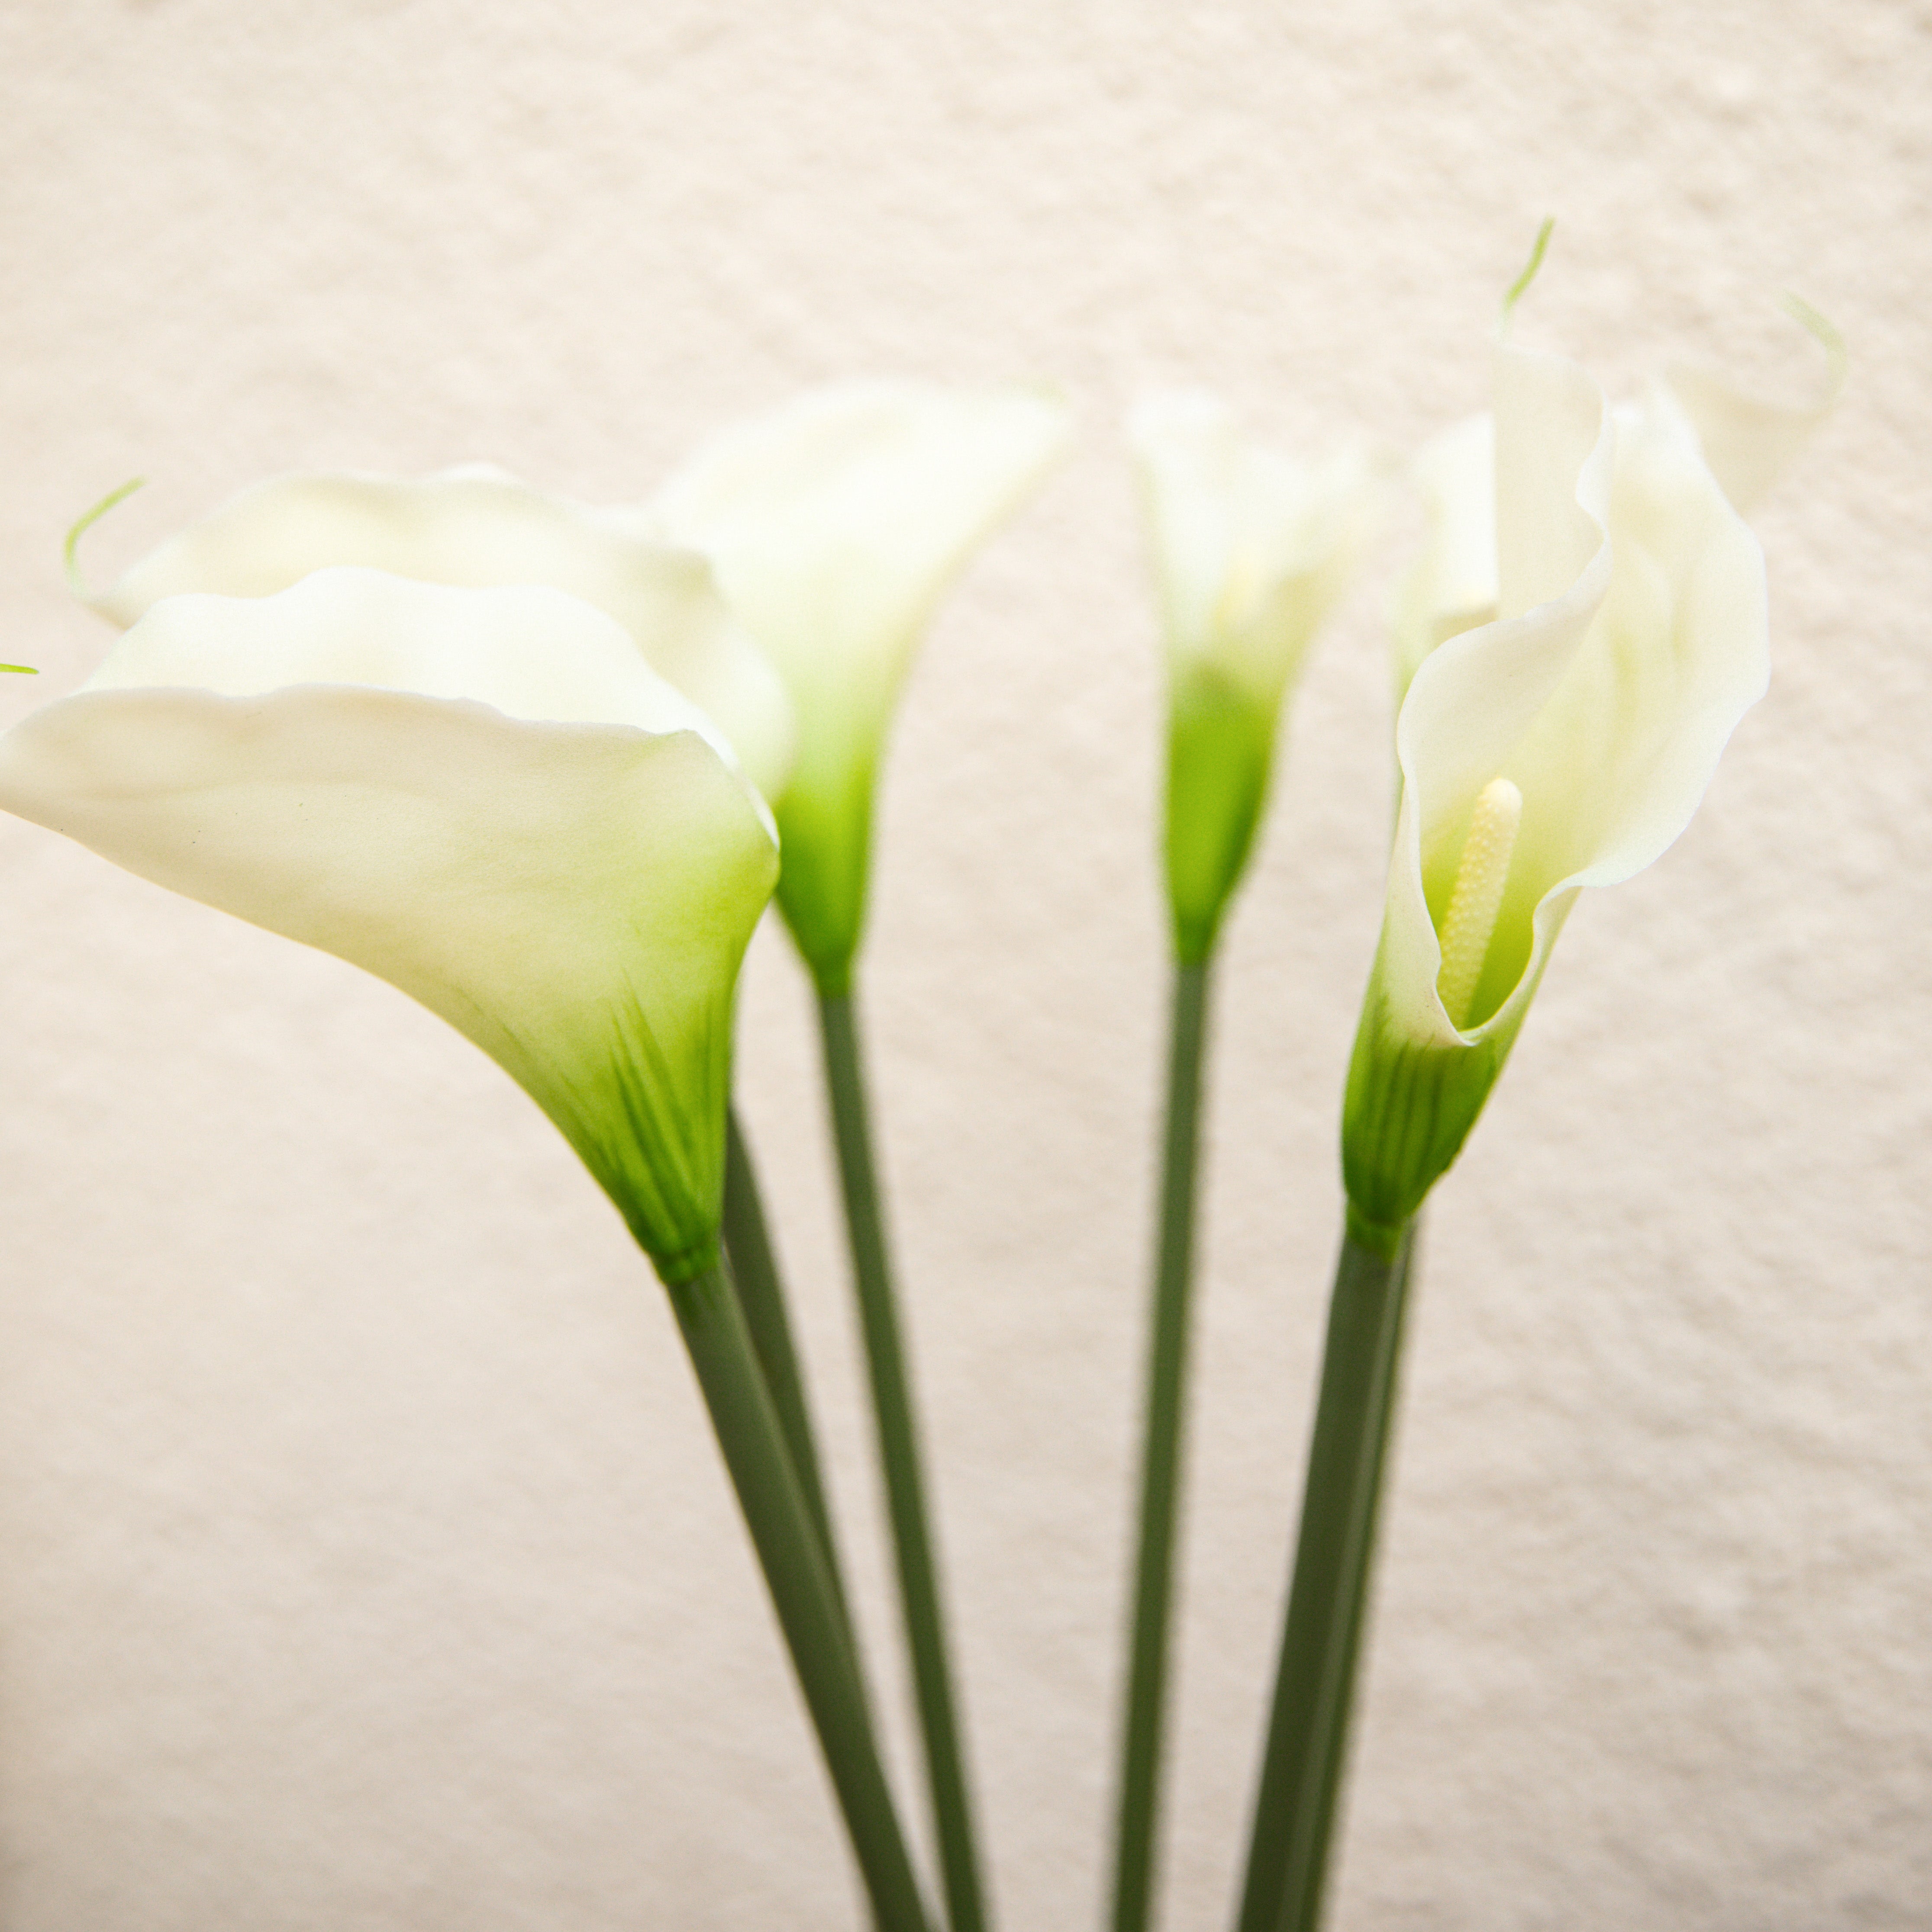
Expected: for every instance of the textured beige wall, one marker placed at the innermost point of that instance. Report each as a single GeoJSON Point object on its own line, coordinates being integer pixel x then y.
{"type": "Point", "coordinates": [363, 1560]}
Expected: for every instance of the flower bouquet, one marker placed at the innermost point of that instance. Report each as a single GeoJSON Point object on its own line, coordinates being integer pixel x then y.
{"type": "Point", "coordinates": [543, 765]}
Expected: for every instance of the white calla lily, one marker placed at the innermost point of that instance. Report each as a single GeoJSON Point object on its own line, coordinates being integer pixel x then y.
{"type": "Point", "coordinates": [485, 796]}
{"type": "Point", "coordinates": [478, 528]}
{"type": "Point", "coordinates": [1252, 551]}
{"type": "Point", "coordinates": [1565, 743]}
{"type": "Point", "coordinates": [835, 525]}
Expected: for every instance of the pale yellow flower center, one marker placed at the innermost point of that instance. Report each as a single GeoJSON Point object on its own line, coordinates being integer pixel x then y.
{"type": "Point", "coordinates": [1477, 896]}
{"type": "Point", "coordinates": [1240, 590]}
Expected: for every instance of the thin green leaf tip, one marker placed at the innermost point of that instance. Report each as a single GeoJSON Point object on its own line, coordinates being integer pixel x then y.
{"type": "Point", "coordinates": [1520, 287]}
{"type": "Point", "coordinates": [80, 530]}
{"type": "Point", "coordinates": [1823, 331]}
{"type": "Point", "coordinates": [32, 670]}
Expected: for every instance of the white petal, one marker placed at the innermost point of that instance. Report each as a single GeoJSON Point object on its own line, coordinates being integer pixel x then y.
{"type": "Point", "coordinates": [1635, 639]}
{"type": "Point", "coordinates": [477, 526]}
{"type": "Point", "coordinates": [534, 654]}
{"type": "Point", "coordinates": [575, 897]}
{"type": "Point", "coordinates": [1632, 638]}
{"type": "Point", "coordinates": [1452, 585]}
{"type": "Point", "coordinates": [1749, 442]}
{"type": "Point", "coordinates": [1552, 466]}
{"type": "Point", "coordinates": [1251, 548]}
{"type": "Point", "coordinates": [836, 524]}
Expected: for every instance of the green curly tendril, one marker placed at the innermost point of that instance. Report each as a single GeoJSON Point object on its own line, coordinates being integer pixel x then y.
{"type": "Point", "coordinates": [81, 528]}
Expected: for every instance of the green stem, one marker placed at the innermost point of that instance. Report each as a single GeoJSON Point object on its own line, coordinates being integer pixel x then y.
{"type": "Point", "coordinates": [1302, 1764]}
{"type": "Point", "coordinates": [755, 1269]}
{"type": "Point", "coordinates": [1330, 1785]}
{"type": "Point", "coordinates": [733, 1387]}
{"type": "Point", "coordinates": [1160, 1467]}
{"type": "Point", "coordinates": [899, 1455]}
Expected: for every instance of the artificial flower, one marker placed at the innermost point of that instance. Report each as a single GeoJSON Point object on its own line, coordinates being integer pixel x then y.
{"type": "Point", "coordinates": [486, 797]}
{"type": "Point", "coordinates": [1252, 551]}
{"type": "Point", "coordinates": [1566, 743]}
{"type": "Point", "coordinates": [835, 525]}
{"type": "Point", "coordinates": [479, 527]}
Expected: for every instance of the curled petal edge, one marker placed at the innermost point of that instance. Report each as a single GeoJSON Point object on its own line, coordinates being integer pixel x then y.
{"type": "Point", "coordinates": [475, 527]}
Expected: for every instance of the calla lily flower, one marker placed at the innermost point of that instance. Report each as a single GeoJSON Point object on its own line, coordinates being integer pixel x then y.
{"type": "Point", "coordinates": [479, 527]}
{"type": "Point", "coordinates": [1251, 550]}
{"type": "Point", "coordinates": [1566, 743]}
{"type": "Point", "coordinates": [486, 797]}
{"type": "Point", "coordinates": [835, 526]}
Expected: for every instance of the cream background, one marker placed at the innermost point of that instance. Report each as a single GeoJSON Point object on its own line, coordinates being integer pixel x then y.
{"type": "Point", "coordinates": [363, 1558]}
